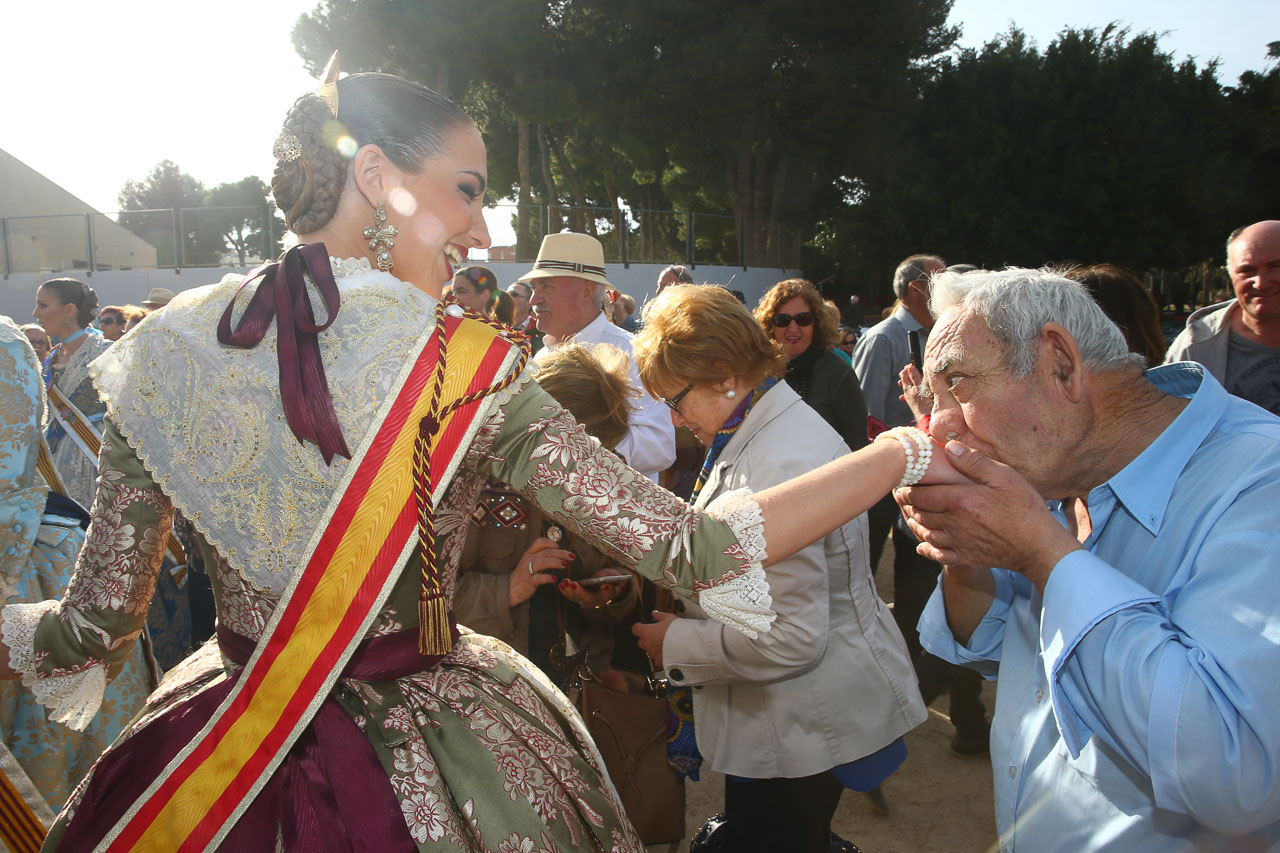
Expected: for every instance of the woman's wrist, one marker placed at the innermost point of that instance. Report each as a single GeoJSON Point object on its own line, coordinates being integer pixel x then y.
{"type": "Point", "coordinates": [917, 449]}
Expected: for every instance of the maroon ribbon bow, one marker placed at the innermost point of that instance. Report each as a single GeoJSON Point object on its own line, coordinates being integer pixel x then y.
{"type": "Point", "coordinates": [282, 295]}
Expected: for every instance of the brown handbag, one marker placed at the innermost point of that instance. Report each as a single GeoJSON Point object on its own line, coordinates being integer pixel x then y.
{"type": "Point", "coordinates": [630, 730]}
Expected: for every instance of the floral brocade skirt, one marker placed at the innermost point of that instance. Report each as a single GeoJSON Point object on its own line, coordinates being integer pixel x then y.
{"type": "Point", "coordinates": [480, 753]}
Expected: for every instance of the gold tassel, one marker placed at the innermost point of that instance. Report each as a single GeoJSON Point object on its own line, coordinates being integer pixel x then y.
{"type": "Point", "coordinates": [434, 637]}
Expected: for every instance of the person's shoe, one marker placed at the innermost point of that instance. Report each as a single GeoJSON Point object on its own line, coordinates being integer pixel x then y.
{"type": "Point", "coordinates": [711, 838]}
{"type": "Point", "coordinates": [840, 845]}
{"type": "Point", "coordinates": [879, 804]}
{"type": "Point", "coordinates": [972, 743]}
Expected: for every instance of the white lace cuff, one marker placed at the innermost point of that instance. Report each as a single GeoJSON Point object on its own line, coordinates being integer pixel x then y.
{"type": "Point", "coordinates": [740, 598]}
{"type": "Point", "coordinates": [73, 696]}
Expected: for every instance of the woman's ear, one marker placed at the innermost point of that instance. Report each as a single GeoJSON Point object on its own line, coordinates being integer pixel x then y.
{"type": "Point", "coordinates": [373, 174]}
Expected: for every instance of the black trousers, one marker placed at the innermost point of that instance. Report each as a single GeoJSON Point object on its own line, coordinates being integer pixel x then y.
{"type": "Point", "coordinates": [772, 815]}
{"type": "Point", "coordinates": [914, 579]}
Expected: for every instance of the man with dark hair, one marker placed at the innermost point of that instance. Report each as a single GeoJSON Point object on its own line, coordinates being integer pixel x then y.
{"type": "Point", "coordinates": [1238, 341]}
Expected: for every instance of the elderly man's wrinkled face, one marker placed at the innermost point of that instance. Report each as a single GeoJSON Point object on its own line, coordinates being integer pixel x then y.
{"type": "Point", "coordinates": [978, 401]}
{"type": "Point", "coordinates": [563, 305]}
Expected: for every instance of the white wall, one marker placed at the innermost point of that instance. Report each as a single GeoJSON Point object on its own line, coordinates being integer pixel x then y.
{"type": "Point", "coordinates": [121, 287]}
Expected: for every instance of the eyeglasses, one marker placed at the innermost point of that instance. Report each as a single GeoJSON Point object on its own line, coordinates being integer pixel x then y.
{"type": "Point", "coordinates": [673, 403]}
{"type": "Point", "coordinates": [110, 321]}
{"type": "Point", "coordinates": [804, 318]}
{"type": "Point", "coordinates": [514, 290]}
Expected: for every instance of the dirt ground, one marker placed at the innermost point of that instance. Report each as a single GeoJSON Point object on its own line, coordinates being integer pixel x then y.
{"type": "Point", "coordinates": [939, 802]}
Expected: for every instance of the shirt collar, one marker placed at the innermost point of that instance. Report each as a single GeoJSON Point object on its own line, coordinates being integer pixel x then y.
{"type": "Point", "coordinates": [591, 331]}
{"type": "Point", "coordinates": [1146, 484]}
{"type": "Point", "coordinates": [910, 323]}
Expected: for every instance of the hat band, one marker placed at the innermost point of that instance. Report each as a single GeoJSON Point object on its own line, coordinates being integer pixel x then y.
{"type": "Point", "coordinates": [568, 266]}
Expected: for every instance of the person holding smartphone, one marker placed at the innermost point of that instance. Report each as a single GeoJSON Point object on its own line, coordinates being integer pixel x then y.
{"type": "Point", "coordinates": [525, 579]}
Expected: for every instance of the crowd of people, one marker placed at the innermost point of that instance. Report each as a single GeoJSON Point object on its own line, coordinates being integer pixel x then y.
{"type": "Point", "coordinates": [436, 524]}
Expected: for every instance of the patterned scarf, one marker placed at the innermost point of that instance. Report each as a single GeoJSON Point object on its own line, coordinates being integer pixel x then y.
{"type": "Point", "coordinates": [682, 742]}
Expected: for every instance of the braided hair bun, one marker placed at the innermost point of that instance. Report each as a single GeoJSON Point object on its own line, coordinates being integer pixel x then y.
{"type": "Point", "coordinates": [410, 123]}
{"type": "Point", "coordinates": [307, 188]}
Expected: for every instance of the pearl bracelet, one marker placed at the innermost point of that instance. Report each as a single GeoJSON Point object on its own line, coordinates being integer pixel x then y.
{"type": "Point", "coordinates": [919, 451]}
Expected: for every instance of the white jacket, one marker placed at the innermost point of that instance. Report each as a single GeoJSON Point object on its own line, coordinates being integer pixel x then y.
{"type": "Point", "coordinates": [831, 681]}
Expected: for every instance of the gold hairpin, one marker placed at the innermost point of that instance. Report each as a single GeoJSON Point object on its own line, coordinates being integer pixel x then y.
{"type": "Point", "coordinates": [328, 91]}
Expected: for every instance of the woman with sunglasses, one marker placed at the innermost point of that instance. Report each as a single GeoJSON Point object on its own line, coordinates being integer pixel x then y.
{"type": "Point", "coordinates": [794, 314]}
{"type": "Point", "coordinates": [114, 319]}
{"type": "Point", "coordinates": [822, 700]}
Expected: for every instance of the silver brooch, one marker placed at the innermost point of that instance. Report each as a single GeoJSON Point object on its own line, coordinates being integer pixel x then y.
{"type": "Point", "coordinates": [287, 148]}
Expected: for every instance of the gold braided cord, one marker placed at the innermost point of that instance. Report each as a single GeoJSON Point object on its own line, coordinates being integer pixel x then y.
{"type": "Point", "coordinates": [433, 612]}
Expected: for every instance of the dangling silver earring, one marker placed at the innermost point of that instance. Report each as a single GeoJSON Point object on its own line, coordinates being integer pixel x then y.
{"type": "Point", "coordinates": [382, 237]}
{"type": "Point", "coordinates": [731, 393]}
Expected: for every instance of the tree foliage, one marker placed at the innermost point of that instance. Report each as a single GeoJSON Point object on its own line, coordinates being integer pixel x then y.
{"type": "Point", "coordinates": [1100, 147]}
{"type": "Point", "coordinates": [742, 107]}
{"type": "Point", "coordinates": [226, 220]}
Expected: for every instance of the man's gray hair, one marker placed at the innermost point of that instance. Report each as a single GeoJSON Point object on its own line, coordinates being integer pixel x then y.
{"type": "Point", "coordinates": [601, 294]}
{"type": "Point", "coordinates": [914, 268]}
{"type": "Point", "coordinates": [1016, 303]}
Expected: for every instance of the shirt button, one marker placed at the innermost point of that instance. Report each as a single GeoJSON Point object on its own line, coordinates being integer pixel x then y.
{"type": "Point", "coordinates": [12, 550]}
{"type": "Point", "coordinates": [1013, 773]}
{"type": "Point", "coordinates": [1039, 696]}
{"type": "Point", "coordinates": [17, 527]}
{"type": "Point", "coordinates": [25, 505]}
{"type": "Point", "coordinates": [676, 675]}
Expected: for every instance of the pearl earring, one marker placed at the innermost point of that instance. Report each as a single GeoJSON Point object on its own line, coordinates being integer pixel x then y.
{"type": "Point", "coordinates": [731, 393]}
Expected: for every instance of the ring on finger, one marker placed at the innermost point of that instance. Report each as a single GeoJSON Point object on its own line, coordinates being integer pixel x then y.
{"type": "Point", "coordinates": [531, 567]}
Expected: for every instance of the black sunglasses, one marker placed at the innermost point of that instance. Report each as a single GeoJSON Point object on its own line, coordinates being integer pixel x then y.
{"type": "Point", "coordinates": [674, 402]}
{"type": "Point", "coordinates": [110, 321]}
{"type": "Point", "coordinates": [804, 318]}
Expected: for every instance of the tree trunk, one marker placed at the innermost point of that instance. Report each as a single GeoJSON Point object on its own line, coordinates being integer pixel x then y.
{"type": "Point", "coordinates": [525, 248]}
{"type": "Point", "coordinates": [581, 219]}
{"type": "Point", "coordinates": [552, 196]}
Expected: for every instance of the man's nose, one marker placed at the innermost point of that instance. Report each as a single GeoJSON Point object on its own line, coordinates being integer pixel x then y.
{"type": "Point", "coordinates": [946, 421]}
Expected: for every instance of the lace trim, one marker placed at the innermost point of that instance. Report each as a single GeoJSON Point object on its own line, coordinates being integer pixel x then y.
{"type": "Point", "coordinates": [73, 696]}
{"type": "Point", "coordinates": [349, 266]}
{"type": "Point", "coordinates": [740, 598]}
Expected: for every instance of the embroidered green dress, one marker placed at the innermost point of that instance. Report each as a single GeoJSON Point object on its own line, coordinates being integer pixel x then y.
{"type": "Point", "coordinates": [482, 753]}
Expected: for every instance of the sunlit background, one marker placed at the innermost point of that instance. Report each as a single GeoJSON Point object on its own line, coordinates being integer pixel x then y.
{"type": "Point", "coordinates": [98, 93]}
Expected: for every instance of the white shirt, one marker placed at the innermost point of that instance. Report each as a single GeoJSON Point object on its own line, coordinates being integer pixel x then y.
{"type": "Point", "coordinates": [650, 445]}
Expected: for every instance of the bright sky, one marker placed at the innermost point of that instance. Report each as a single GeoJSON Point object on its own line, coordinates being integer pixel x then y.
{"type": "Point", "coordinates": [97, 93]}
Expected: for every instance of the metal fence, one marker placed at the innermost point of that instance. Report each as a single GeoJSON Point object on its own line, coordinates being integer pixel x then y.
{"type": "Point", "coordinates": [229, 236]}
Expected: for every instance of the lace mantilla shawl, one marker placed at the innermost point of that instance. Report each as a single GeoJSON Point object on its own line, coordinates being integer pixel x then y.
{"type": "Point", "coordinates": [206, 420]}
{"type": "Point", "coordinates": [78, 366]}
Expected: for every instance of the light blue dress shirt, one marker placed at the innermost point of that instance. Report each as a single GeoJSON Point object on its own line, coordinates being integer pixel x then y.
{"type": "Point", "coordinates": [1139, 700]}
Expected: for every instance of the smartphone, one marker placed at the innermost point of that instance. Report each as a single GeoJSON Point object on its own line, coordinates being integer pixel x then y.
{"type": "Point", "coordinates": [917, 354]}
{"type": "Point", "coordinates": [589, 583]}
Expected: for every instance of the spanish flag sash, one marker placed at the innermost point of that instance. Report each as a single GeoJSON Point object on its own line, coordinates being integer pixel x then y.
{"type": "Point", "coordinates": [367, 534]}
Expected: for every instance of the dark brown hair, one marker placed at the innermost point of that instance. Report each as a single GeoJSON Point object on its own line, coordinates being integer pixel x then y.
{"type": "Point", "coordinates": [73, 291]}
{"type": "Point", "coordinates": [409, 122]}
{"type": "Point", "coordinates": [1121, 296]}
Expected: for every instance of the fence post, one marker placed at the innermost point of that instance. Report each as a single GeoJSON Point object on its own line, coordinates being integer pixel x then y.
{"type": "Point", "coordinates": [620, 227]}
{"type": "Point", "coordinates": [88, 236]}
{"type": "Point", "coordinates": [742, 242]}
{"type": "Point", "coordinates": [177, 239]}
{"type": "Point", "coordinates": [4, 235]}
{"type": "Point", "coordinates": [781, 265]}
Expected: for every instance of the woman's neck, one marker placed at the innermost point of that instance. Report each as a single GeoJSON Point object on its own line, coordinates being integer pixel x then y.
{"type": "Point", "coordinates": [340, 242]}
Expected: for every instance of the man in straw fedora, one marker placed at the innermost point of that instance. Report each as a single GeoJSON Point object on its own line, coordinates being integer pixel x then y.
{"type": "Point", "coordinates": [569, 290]}
{"type": "Point", "coordinates": [157, 298]}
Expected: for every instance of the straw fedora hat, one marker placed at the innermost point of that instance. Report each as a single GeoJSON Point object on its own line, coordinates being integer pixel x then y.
{"type": "Point", "coordinates": [158, 298]}
{"type": "Point", "coordinates": [569, 254]}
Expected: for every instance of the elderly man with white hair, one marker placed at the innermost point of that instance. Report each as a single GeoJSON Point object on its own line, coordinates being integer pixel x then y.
{"type": "Point", "coordinates": [1114, 562]}
{"type": "Point", "coordinates": [569, 290]}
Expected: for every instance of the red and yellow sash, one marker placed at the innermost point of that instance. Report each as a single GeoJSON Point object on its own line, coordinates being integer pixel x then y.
{"type": "Point", "coordinates": [366, 537]}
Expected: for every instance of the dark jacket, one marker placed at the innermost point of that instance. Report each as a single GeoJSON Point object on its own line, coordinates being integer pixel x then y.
{"type": "Point", "coordinates": [835, 394]}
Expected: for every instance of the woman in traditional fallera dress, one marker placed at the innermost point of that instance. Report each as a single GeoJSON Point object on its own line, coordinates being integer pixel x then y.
{"type": "Point", "coordinates": [66, 308]}
{"type": "Point", "coordinates": [38, 546]}
{"type": "Point", "coordinates": [340, 707]}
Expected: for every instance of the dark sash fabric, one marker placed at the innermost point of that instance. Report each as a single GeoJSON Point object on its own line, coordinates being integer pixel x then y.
{"type": "Point", "coordinates": [330, 793]}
